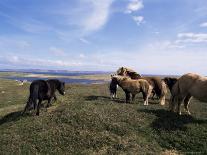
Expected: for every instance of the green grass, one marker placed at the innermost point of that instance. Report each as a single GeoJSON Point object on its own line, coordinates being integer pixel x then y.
{"type": "Point", "coordinates": [87, 121]}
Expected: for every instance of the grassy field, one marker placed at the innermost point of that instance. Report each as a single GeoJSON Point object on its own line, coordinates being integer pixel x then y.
{"type": "Point", "coordinates": [87, 121]}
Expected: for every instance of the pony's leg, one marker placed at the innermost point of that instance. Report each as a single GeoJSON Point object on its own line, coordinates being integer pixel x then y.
{"type": "Point", "coordinates": [153, 95]}
{"type": "Point", "coordinates": [115, 95]}
{"type": "Point", "coordinates": [145, 98]}
{"type": "Point", "coordinates": [35, 104]}
{"type": "Point", "coordinates": [111, 95]}
{"type": "Point", "coordinates": [55, 98]}
{"type": "Point", "coordinates": [26, 107]}
{"type": "Point", "coordinates": [38, 107]}
{"type": "Point", "coordinates": [49, 102]}
{"type": "Point", "coordinates": [173, 103]}
{"type": "Point", "coordinates": [186, 103]}
{"type": "Point", "coordinates": [127, 97]}
{"type": "Point", "coordinates": [149, 92]}
{"type": "Point", "coordinates": [180, 100]}
{"type": "Point", "coordinates": [133, 97]}
{"type": "Point", "coordinates": [162, 100]}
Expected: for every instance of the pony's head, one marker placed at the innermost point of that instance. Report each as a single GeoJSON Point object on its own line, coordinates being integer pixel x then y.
{"type": "Point", "coordinates": [61, 88]}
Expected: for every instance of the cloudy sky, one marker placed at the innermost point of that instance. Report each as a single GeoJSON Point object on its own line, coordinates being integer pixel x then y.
{"type": "Point", "coordinates": [150, 36]}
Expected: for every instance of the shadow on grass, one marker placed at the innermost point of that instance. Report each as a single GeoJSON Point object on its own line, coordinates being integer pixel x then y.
{"type": "Point", "coordinates": [138, 100]}
{"type": "Point", "coordinates": [172, 131]}
{"type": "Point", "coordinates": [12, 117]}
{"type": "Point", "coordinates": [170, 121]}
{"type": "Point", "coordinates": [105, 98]}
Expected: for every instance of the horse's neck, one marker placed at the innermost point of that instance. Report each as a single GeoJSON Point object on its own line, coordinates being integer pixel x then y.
{"type": "Point", "coordinates": [122, 82]}
{"type": "Point", "coordinates": [51, 87]}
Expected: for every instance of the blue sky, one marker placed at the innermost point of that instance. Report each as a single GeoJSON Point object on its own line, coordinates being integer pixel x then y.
{"type": "Point", "coordinates": [150, 36]}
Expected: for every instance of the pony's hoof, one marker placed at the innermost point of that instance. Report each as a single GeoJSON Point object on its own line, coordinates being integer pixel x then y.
{"type": "Point", "coordinates": [189, 113]}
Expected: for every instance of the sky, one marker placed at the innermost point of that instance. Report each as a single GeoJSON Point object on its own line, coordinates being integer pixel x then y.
{"type": "Point", "coordinates": [149, 36]}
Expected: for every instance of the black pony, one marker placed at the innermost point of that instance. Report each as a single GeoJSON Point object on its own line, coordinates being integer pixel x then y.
{"type": "Point", "coordinates": [113, 89]}
{"type": "Point", "coordinates": [43, 90]}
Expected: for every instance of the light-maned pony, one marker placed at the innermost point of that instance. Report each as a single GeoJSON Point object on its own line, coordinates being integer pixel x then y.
{"type": "Point", "coordinates": [158, 85]}
{"type": "Point", "coordinates": [133, 87]}
{"type": "Point", "coordinates": [188, 86]}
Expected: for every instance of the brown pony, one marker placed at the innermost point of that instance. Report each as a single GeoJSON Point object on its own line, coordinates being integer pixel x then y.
{"type": "Point", "coordinates": [159, 86]}
{"type": "Point", "coordinates": [188, 86]}
{"type": "Point", "coordinates": [133, 87]}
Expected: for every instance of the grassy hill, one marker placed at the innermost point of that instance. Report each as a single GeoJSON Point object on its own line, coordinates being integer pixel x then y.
{"type": "Point", "coordinates": [87, 121]}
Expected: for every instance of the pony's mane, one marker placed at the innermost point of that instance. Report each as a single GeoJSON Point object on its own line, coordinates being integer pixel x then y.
{"type": "Point", "coordinates": [128, 72]}
{"type": "Point", "coordinates": [121, 69]}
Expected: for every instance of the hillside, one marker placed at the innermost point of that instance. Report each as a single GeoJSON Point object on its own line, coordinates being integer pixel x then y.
{"type": "Point", "coordinates": [87, 121]}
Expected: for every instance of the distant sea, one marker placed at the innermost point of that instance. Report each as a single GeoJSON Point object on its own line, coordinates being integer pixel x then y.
{"type": "Point", "coordinates": [59, 73]}
{"type": "Point", "coordinates": [64, 73]}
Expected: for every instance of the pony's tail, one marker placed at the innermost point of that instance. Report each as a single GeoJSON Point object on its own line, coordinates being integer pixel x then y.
{"type": "Point", "coordinates": [32, 100]}
{"type": "Point", "coordinates": [34, 94]}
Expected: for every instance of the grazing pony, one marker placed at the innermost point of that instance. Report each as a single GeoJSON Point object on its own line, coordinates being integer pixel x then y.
{"type": "Point", "coordinates": [188, 86]}
{"type": "Point", "coordinates": [170, 82]}
{"type": "Point", "coordinates": [43, 90]}
{"type": "Point", "coordinates": [133, 87]}
{"type": "Point", "coordinates": [159, 86]}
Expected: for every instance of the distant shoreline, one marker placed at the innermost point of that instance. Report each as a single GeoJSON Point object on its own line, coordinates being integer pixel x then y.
{"type": "Point", "coordinates": [69, 77]}
{"type": "Point", "coordinates": [62, 73]}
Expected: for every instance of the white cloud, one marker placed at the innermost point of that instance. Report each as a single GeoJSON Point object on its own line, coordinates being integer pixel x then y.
{"type": "Point", "coordinates": [29, 24]}
{"type": "Point", "coordinates": [23, 44]}
{"type": "Point", "coordinates": [156, 32]}
{"type": "Point", "coordinates": [203, 24]}
{"type": "Point", "coordinates": [192, 37]}
{"type": "Point", "coordinates": [83, 40]}
{"type": "Point", "coordinates": [82, 56]}
{"type": "Point", "coordinates": [134, 5]}
{"type": "Point", "coordinates": [98, 16]}
{"type": "Point", "coordinates": [165, 45]}
{"type": "Point", "coordinates": [15, 43]}
{"type": "Point", "coordinates": [138, 19]}
{"type": "Point", "coordinates": [22, 61]}
{"type": "Point", "coordinates": [57, 51]}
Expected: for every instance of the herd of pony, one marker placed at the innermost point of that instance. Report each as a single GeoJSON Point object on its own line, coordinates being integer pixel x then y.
{"type": "Point", "coordinates": [182, 89]}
